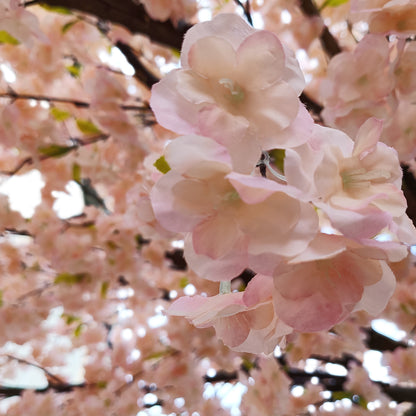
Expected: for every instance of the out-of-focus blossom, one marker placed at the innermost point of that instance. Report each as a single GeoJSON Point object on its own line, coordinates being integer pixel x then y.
{"type": "Point", "coordinates": [386, 16]}
{"type": "Point", "coordinates": [245, 321]}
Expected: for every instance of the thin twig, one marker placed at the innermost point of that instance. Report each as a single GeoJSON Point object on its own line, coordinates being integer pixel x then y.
{"type": "Point", "coordinates": [141, 73]}
{"type": "Point", "coordinates": [77, 103]}
{"type": "Point", "coordinates": [49, 375]}
{"type": "Point", "coordinates": [246, 9]}
{"type": "Point", "coordinates": [77, 143]}
{"type": "Point", "coordinates": [328, 41]}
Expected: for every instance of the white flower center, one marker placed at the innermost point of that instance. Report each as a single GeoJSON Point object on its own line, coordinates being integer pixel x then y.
{"type": "Point", "coordinates": [360, 178]}
{"type": "Point", "coordinates": [235, 92]}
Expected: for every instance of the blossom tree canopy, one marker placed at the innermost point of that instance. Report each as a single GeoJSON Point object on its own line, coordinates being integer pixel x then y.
{"type": "Point", "coordinates": [217, 211]}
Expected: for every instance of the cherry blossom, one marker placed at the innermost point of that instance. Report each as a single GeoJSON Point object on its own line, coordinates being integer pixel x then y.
{"type": "Point", "coordinates": [361, 177]}
{"type": "Point", "coordinates": [323, 285]}
{"type": "Point", "coordinates": [200, 194]}
{"type": "Point", "coordinates": [245, 321]}
{"type": "Point", "coordinates": [234, 75]}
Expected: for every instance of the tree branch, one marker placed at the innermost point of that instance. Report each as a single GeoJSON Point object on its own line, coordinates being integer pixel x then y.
{"type": "Point", "coordinates": [77, 143]}
{"type": "Point", "coordinates": [10, 391]}
{"type": "Point", "coordinates": [328, 41]}
{"type": "Point", "coordinates": [13, 95]}
{"type": "Point", "coordinates": [130, 14]}
{"type": "Point", "coordinates": [142, 74]}
{"type": "Point", "coordinates": [246, 9]}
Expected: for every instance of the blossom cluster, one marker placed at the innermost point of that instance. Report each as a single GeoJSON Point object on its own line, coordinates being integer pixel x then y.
{"type": "Point", "coordinates": [255, 184]}
{"type": "Point", "coordinates": [376, 78]}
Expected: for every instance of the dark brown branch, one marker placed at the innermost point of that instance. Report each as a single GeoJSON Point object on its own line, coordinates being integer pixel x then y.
{"type": "Point", "coordinates": [409, 190]}
{"type": "Point", "coordinates": [142, 74]}
{"type": "Point", "coordinates": [10, 391]}
{"type": "Point", "coordinates": [379, 342]}
{"type": "Point", "coordinates": [246, 9]}
{"type": "Point", "coordinates": [130, 14]}
{"type": "Point", "coordinates": [52, 378]}
{"type": "Point", "coordinates": [330, 382]}
{"type": "Point", "coordinates": [328, 41]}
{"type": "Point", "coordinates": [312, 106]}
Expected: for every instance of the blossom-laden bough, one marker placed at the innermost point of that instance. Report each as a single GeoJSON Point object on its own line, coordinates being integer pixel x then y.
{"type": "Point", "coordinates": [311, 232]}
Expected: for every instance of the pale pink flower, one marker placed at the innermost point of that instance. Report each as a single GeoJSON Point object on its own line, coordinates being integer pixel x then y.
{"type": "Point", "coordinates": [245, 321]}
{"type": "Point", "coordinates": [170, 9]}
{"type": "Point", "coordinates": [387, 16]}
{"type": "Point", "coordinates": [333, 277]}
{"type": "Point", "coordinates": [358, 84]}
{"type": "Point", "coordinates": [357, 184]}
{"type": "Point", "coordinates": [253, 215]}
{"type": "Point", "coordinates": [20, 23]}
{"type": "Point", "coordinates": [238, 77]}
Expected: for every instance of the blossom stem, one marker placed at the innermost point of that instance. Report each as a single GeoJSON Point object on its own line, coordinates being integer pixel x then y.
{"type": "Point", "coordinates": [225, 287]}
{"type": "Point", "coordinates": [265, 162]}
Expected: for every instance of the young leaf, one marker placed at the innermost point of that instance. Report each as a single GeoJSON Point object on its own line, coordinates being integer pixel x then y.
{"type": "Point", "coordinates": [74, 69]}
{"type": "Point", "coordinates": [70, 319]}
{"type": "Point", "coordinates": [332, 3]}
{"type": "Point", "coordinates": [6, 37]}
{"type": "Point", "coordinates": [104, 289]}
{"type": "Point", "coordinates": [55, 150]}
{"type": "Point", "coordinates": [76, 172]}
{"type": "Point", "coordinates": [68, 25]}
{"type": "Point", "coordinates": [56, 9]}
{"type": "Point", "coordinates": [78, 330]}
{"type": "Point", "coordinates": [69, 278]}
{"type": "Point", "coordinates": [87, 127]}
{"type": "Point", "coordinates": [59, 115]}
{"type": "Point", "coordinates": [161, 165]}
{"type": "Point", "coordinates": [278, 156]}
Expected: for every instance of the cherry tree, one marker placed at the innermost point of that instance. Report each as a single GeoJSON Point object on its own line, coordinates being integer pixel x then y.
{"type": "Point", "coordinates": [224, 223]}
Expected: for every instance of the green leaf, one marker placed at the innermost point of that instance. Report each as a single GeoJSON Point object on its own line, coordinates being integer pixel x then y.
{"type": "Point", "coordinates": [87, 127]}
{"type": "Point", "coordinates": [58, 114]}
{"type": "Point", "coordinates": [159, 354]}
{"type": "Point", "coordinates": [1, 298]}
{"type": "Point", "coordinates": [74, 69]}
{"type": "Point", "coordinates": [278, 156]}
{"type": "Point", "coordinates": [76, 172]}
{"type": "Point", "coordinates": [68, 25]}
{"type": "Point", "coordinates": [70, 319]}
{"type": "Point", "coordinates": [78, 330]}
{"type": "Point", "coordinates": [56, 9]}
{"type": "Point", "coordinates": [332, 3]}
{"type": "Point", "coordinates": [69, 278]}
{"type": "Point", "coordinates": [247, 364]}
{"type": "Point", "coordinates": [339, 395]}
{"type": "Point", "coordinates": [183, 282]}
{"type": "Point", "coordinates": [104, 289]}
{"type": "Point", "coordinates": [6, 37]}
{"type": "Point", "coordinates": [161, 165]}
{"type": "Point", "coordinates": [55, 150]}
{"type": "Point", "coordinates": [101, 384]}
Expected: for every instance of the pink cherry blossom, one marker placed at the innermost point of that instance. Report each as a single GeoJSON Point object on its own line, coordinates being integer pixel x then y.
{"type": "Point", "coordinates": [234, 75]}
{"type": "Point", "coordinates": [357, 184]}
{"type": "Point", "coordinates": [245, 321]}
{"type": "Point", "coordinates": [358, 85]}
{"type": "Point", "coordinates": [201, 195]}
{"type": "Point", "coordinates": [387, 16]}
{"type": "Point", "coordinates": [323, 285]}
